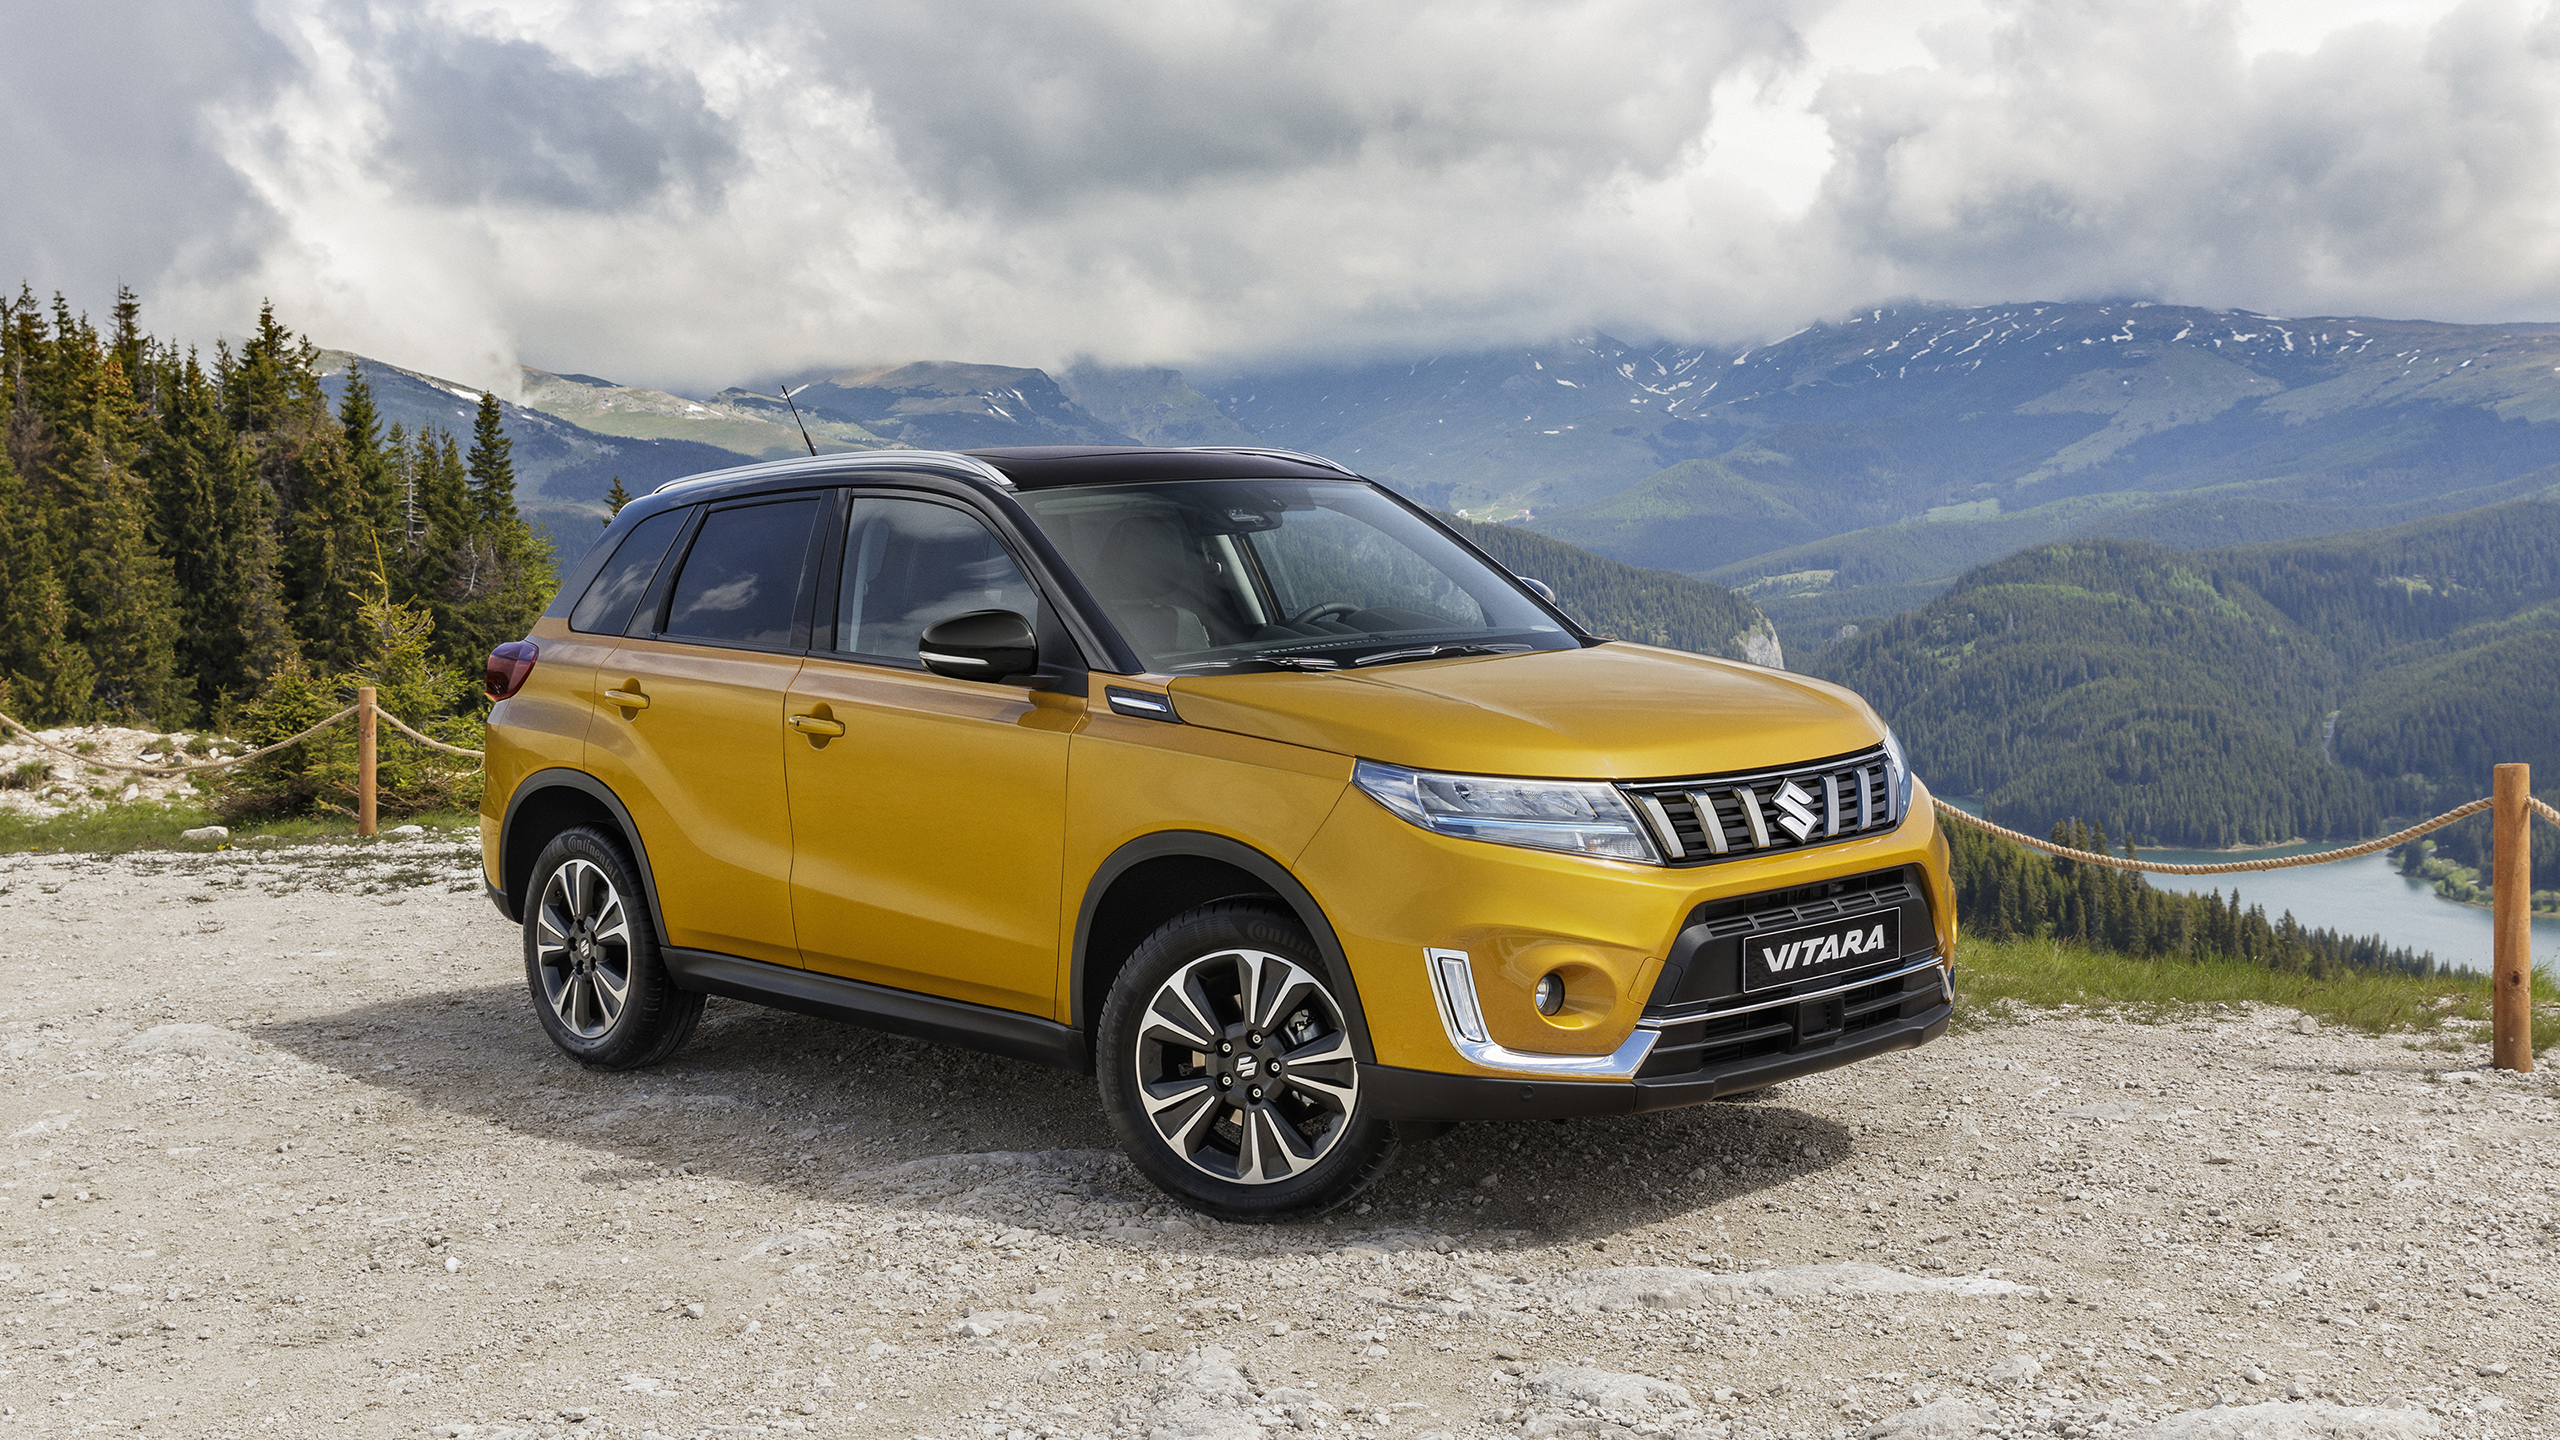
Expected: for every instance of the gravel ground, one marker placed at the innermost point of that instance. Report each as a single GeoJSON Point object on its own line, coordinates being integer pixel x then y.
{"type": "Point", "coordinates": [287, 1155]}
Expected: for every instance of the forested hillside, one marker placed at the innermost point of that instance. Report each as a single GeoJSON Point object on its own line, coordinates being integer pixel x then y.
{"type": "Point", "coordinates": [2184, 697]}
{"type": "Point", "coordinates": [1655, 607]}
{"type": "Point", "coordinates": [175, 532]}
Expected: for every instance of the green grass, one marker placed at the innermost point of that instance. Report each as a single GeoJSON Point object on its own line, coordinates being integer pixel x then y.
{"type": "Point", "coordinates": [1995, 980]}
{"type": "Point", "coordinates": [116, 829]}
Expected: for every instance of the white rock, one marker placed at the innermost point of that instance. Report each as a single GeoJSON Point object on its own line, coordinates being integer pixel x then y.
{"type": "Point", "coordinates": [2290, 1422]}
{"type": "Point", "coordinates": [201, 1041]}
{"type": "Point", "coordinates": [1949, 1417]}
{"type": "Point", "coordinates": [46, 1125]}
{"type": "Point", "coordinates": [2108, 1110]}
{"type": "Point", "coordinates": [979, 1323]}
{"type": "Point", "coordinates": [2014, 1370]}
{"type": "Point", "coordinates": [1580, 1400]}
{"type": "Point", "coordinates": [206, 832]}
{"type": "Point", "coordinates": [790, 1242]}
{"type": "Point", "coordinates": [1664, 1287]}
{"type": "Point", "coordinates": [1204, 1398]}
{"type": "Point", "coordinates": [406, 830]}
{"type": "Point", "coordinates": [2306, 1025]}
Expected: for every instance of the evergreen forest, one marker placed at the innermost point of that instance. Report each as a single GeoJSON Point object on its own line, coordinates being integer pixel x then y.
{"type": "Point", "coordinates": [181, 533]}
{"type": "Point", "coordinates": [2312, 688]}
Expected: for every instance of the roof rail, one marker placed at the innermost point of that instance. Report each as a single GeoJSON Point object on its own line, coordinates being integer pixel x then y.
{"type": "Point", "coordinates": [946, 460]}
{"type": "Point", "coordinates": [1269, 453]}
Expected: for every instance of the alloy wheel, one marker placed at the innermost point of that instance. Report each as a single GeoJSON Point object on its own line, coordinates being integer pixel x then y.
{"type": "Point", "coordinates": [582, 947]}
{"type": "Point", "coordinates": [1245, 1068]}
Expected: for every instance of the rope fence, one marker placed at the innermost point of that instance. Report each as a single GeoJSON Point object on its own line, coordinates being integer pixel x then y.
{"type": "Point", "coordinates": [2511, 891]}
{"type": "Point", "coordinates": [223, 763]}
{"type": "Point", "coordinates": [228, 761]}
{"type": "Point", "coordinates": [2232, 867]}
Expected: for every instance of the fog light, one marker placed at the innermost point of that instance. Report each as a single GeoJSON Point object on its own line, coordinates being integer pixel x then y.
{"type": "Point", "coordinates": [1550, 994]}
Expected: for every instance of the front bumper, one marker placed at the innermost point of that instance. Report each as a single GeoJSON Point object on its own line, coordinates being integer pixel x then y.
{"type": "Point", "coordinates": [1750, 1050]}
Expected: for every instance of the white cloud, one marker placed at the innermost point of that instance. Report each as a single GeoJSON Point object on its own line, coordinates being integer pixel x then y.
{"type": "Point", "coordinates": [695, 193]}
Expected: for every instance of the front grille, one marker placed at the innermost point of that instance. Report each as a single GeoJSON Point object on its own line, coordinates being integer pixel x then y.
{"type": "Point", "coordinates": [1728, 817]}
{"type": "Point", "coordinates": [1780, 909]}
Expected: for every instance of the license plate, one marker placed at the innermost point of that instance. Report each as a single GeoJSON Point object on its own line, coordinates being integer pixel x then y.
{"type": "Point", "coordinates": [1784, 957]}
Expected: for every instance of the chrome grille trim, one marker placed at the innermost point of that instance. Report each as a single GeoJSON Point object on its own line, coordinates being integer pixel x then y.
{"type": "Point", "coordinates": [1725, 817]}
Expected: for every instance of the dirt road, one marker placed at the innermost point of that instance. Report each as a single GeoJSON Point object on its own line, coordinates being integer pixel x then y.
{"type": "Point", "coordinates": [286, 1155]}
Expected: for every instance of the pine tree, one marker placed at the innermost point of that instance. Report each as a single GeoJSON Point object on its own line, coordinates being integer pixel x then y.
{"type": "Point", "coordinates": [361, 424]}
{"type": "Point", "coordinates": [493, 466]}
{"type": "Point", "coordinates": [122, 593]}
{"type": "Point", "coordinates": [444, 566]}
{"type": "Point", "coordinates": [215, 520]}
{"type": "Point", "coordinates": [501, 577]}
{"type": "Point", "coordinates": [615, 499]}
{"type": "Point", "coordinates": [48, 675]}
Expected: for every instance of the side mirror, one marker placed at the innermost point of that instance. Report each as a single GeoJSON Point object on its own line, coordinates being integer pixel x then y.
{"type": "Point", "coordinates": [1540, 588]}
{"type": "Point", "coordinates": [981, 645]}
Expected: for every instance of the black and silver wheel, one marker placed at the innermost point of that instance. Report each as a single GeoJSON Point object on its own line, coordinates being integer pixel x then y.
{"type": "Point", "coordinates": [591, 958]}
{"type": "Point", "coordinates": [1227, 1065]}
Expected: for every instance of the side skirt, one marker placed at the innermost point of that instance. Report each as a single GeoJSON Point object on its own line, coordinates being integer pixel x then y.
{"type": "Point", "coordinates": [901, 1012]}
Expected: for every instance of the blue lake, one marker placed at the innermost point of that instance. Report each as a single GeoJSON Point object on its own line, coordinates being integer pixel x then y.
{"type": "Point", "coordinates": [2353, 897]}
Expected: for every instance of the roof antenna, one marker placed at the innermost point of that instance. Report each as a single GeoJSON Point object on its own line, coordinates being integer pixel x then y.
{"type": "Point", "coordinates": [803, 424]}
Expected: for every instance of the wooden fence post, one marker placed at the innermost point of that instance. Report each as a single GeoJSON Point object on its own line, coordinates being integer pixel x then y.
{"type": "Point", "coordinates": [2511, 879]}
{"type": "Point", "coordinates": [366, 731]}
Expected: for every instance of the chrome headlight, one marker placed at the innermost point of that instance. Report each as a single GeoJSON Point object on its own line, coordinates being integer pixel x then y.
{"type": "Point", "coordinates": [1581, 817]}
{"type": "Point", "coordinates": [1897, 773]}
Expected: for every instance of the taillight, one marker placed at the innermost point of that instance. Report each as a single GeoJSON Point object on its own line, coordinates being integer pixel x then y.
{"type": "Point", "coordinates": [510, 665]}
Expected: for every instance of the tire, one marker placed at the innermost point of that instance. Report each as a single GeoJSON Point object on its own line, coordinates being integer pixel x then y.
{"type": "Point", "coordinates": [1178, 1050]}
{"type": "Point", "coordinates": [591, 958]}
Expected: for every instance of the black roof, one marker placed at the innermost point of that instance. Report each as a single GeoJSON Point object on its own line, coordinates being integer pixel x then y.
{"type": "Point", "coordinates": [1037, 467]}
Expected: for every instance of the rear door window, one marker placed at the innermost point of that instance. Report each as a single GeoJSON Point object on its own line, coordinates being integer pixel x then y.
{"type": "Point", "coordinates": [606, 607]}
{"type": "Point", "coordinates": [742, 578]}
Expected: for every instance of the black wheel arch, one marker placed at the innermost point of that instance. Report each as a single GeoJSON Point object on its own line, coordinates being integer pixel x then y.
{"type": "Point", "coordinates": [1156, 877]}
{"type": "Point", "coordinates": [549, 801]}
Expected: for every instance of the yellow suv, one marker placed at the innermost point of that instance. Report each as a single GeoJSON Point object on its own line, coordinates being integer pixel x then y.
{"type": "Point", "coordinates": [1223, 775]}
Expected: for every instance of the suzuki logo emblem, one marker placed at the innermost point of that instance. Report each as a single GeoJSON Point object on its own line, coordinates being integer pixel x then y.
{"type": "Point", "coordinates": [1245, 1067]}
{"type": "Point", "coordinates": [1795, 809]}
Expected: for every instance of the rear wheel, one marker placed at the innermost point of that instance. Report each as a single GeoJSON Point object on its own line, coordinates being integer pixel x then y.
{"type": "Point", "coordinates": [1227, 1067]}
{"type": "Point", "coordinates": [591, 958]}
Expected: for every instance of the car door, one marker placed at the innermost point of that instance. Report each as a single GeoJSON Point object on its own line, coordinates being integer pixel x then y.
{"type": "Point", "coordinates": [927, 833]}
{"type": "Point", "coordinates": [689, 729]}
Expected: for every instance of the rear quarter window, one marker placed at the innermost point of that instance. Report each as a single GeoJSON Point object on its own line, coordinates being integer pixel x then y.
{"type": "Point", "coordinates": [606, 607]}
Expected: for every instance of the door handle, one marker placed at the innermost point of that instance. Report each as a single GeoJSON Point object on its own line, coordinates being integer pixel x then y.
{"type": "Point", "coordinates": [628, 699]}
{"type": "Point", "coordinates": [815, 725]}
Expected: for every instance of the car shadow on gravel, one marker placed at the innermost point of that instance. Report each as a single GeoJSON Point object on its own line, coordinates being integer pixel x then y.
{"type": "Point", "coordinates": [834, 1112]}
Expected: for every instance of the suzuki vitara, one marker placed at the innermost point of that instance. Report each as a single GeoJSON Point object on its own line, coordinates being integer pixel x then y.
{"type": "Point", "coordinates": [1223, 775]}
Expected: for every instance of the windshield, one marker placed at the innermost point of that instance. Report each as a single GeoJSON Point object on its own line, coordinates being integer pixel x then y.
{"type": "Point", "coordinates": [1204, 576]}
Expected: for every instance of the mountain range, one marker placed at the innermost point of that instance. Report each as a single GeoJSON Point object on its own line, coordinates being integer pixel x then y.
{"type": "Point", "coordinates": [1845, 473]}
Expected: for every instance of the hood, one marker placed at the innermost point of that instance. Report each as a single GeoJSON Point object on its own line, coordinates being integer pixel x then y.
{"type": "Point", "coordinates": [1609, 712]}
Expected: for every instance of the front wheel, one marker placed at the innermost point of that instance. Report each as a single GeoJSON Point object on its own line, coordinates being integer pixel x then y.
{"type": "Point", "coordinates": [591, 958]}
{"type": "Point", "coordinates": [1227, 1068]}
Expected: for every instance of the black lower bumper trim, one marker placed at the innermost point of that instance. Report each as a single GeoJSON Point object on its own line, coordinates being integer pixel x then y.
{"type": "Point", "coordinates": [1399, 1094]}
{"type": "Point", "coordinates": [499, 898]}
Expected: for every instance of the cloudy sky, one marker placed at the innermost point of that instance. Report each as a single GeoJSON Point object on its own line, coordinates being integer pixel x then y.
{"type": "Point", "coordinates": [692, 194]}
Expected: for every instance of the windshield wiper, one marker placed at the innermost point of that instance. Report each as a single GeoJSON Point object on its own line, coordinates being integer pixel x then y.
{"type": "Point", "coordinates": [1285, 662]}
{"type": "Point", "coordinates": [1427, 652]}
